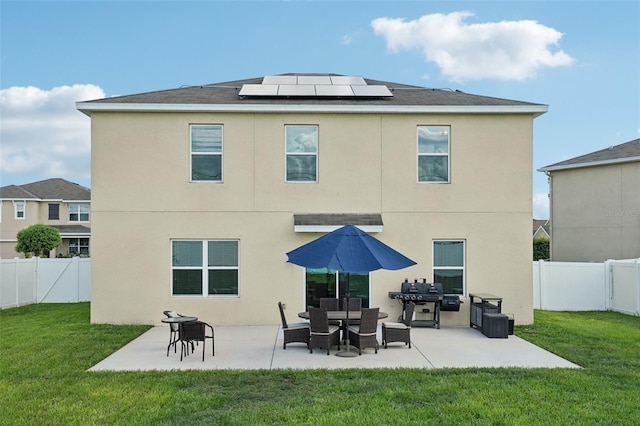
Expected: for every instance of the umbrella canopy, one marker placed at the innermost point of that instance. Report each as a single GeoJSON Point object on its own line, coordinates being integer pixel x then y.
{"type": "Point", "coordinates": [348, 249]}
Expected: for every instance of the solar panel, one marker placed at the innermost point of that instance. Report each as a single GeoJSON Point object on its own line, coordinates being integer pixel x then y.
{"type": "Point", "coordinates": [314, 86]}
{"type": "Point", "coordinates": [374, 91]}
{"type": "Point", "coordinates": [259, 90]}
{"type": "Point", "coordinates": [348, 80]}
{"type": "Point", "coordinates": [280, 79]}
{"type": "Point", "coordinates": [327, 90]}
{"type": "Point", "coordinates": [297, 90]}
{"type": "Point", "coordinates": [314, 79]}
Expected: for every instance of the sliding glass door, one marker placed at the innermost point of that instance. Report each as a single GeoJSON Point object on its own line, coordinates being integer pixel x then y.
{"type": "Point", "coordinates": [321, 283]}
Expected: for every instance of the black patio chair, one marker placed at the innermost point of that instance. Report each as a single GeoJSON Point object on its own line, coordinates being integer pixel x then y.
{"type": "Point", "coordinates": [195, 331]}
{"type": "Point", "coordinates": [173, 330]}
{"type": "Point", "coordinates": [323, 335]}
{"type": "Point", "coordinates": [399, 331]}
{"type": "Point", "coordinates": [363, 336]}
{"type": "Point", "coordinates": [331, 304]}
{"type": "Point", "coordinates": [296, 332]}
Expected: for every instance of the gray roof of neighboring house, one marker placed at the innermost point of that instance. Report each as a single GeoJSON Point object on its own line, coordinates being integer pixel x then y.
{"type": "Point", "coordinates": [227, 94]}
{"type": "Point", "coordinates": [623, 153]}
{"type": "Point", "coordinates": [49, 189]}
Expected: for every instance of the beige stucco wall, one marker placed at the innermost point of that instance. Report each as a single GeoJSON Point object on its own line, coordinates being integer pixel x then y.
{"type": "Point", "coordinates": [596, 213]}
{"type": "Point", "coordinates": [142, 199]}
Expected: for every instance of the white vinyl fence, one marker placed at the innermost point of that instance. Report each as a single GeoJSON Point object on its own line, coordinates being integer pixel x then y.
{"type": "Point", "coordinates": [35, 280]}
{"type": "Point", "coordinates": [574, 286]}
{"type": "Point", "coordinates": [557, 286]}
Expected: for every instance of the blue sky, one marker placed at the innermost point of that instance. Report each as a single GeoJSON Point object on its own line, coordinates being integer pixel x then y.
{"type": "Point", "coordinates": [582, 58]}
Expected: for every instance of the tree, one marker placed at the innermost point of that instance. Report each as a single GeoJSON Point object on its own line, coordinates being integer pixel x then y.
{"type": "Point", "coordinates": [35, 239]}
{"type": "Point", "coordinates": [540, 249]}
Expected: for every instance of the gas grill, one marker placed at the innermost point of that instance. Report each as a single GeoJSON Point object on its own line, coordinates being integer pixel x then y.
{"type": "Point", "coordinates": [421, 293]}
{"type": "Point", "coordinates": [424, 293]}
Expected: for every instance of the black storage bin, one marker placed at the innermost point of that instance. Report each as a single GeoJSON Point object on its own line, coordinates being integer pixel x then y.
{"type": "Point", "coordinates": [511, 323]}
{"type": "Point", "coordinates": [495, 325]}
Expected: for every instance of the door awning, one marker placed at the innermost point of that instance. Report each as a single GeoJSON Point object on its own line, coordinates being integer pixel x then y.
{"type": "Point", "coordinates": [329, 222]}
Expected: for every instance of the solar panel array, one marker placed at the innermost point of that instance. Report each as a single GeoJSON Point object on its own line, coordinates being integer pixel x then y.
{"type": "Point", "coordinates": [311, 86]}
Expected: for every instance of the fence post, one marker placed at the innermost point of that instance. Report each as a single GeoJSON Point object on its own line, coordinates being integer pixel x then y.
{"type": "Point", "coordinates": [608, 284]}
{"type": "Point", "coordinates": [637, 262]}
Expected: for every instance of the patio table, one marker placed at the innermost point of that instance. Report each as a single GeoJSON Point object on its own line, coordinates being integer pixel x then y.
{"type": "Point", "coordinates": [176, 320]}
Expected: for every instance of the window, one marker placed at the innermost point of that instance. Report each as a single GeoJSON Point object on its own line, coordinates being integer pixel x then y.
{"type": "Point", "coordinates": [448, 265]}
{"type": "Point", "coordinates": [206, 153]}
{"type": "Point", "coordinates": [79, 246]}
{"type": "Point", "coordinates": [321, 283]}
{"type": "Point", "coordinates": [54, 211]}
{"type": "Point", "coordinates": [79, 212]}
{"type": "Point", "coordinates": [433, 153]}
{"type": "Point", "coordinates": [302, 153]}
{"type": "Point", "coordinates": [19, 209]}
{"type": "Point", "coordinates": [204, 268]}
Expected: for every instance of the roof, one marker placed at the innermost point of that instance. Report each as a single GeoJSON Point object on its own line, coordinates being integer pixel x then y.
{"type": "Point", "coordinates": [49, 189]}
{"type": "Point", "coordinates": [541, 224]}
{"type": "Point", "coordinates": [225, 96]}
{"type": "Point", "coordinates": [623, 153]}
{"type": "Point", "coordinates": [73, 230]}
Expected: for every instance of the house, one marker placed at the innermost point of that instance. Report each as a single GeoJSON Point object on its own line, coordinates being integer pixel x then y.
{"type": "Point", "coordinates": [541, 229]}
{"type": "Point", "coordinates": [595, 205]}
{"type": "Point", "coordinates": [216, 183]}
{"type": "Point", "coordinates": [59, 203]}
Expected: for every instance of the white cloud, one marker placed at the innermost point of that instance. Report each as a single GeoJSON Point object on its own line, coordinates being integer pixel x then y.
{"type": "Point", "coordinates": [346, 39]}
{"type": "Point", "coordinates": [505, 50]}
{"type": "Point", "coordinates": [541, 206]}
{"type": "Point", "coordinates": [43, 134]}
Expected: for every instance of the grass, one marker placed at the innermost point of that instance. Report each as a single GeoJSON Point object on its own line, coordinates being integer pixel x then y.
{"type": "Point", "coordinates": [46, 349]}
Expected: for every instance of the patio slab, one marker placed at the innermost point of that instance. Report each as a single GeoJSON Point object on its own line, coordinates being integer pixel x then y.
{"type": "Point", "coordinates": [260, 347]}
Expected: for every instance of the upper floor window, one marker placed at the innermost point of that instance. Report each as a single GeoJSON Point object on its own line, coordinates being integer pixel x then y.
{"type": "Point", "coordinates": [449, 265]}
{"type": "Point", "coordinates": [302, 153]}
{"type": "Point", "coordinates": [54, 211]}
{"type": "Point", "coordinates": [206, 153]}
{"type": "Point", "coordinates": [433, 154]}
{"type": "Point", "coordinates": [19, 209]}
{"type": "Point", "coordinates": [79, 212]}
{"type": "Point", "coordinates": [203, 268]}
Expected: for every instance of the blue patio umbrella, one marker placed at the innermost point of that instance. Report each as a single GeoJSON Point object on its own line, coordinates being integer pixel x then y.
{"type": "Point", "coordinates": [351, 250]}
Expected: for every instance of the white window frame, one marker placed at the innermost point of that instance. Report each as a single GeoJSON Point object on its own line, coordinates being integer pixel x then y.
{"type": "Point", "coordinates": [445, 128]}
{"type": "Point", "coordinates": [297, 153]}
{"type": "Point", "coordinates": [205, 268]}
{"type": "Point", "coordinates": [79, 246]}
{"type": "Point", "coordinates": [74, 208]}
{"type": "Point", "coordinates": [463, 268]}
{"type": "Point", "coordinates": [206, 153]}
{"type": "Point", "coordinates": [19, 207]}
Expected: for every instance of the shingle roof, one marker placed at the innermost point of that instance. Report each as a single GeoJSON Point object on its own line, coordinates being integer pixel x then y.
{"type": "Point", "coordinates": [49, 189]}
{"type": "Point", "coordinates": [623, 153]}
{"type": "Point", "coordinates": [227, 93]}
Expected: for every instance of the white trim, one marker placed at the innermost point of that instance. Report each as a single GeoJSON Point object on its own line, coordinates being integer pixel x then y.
{"type": "Point", "coordinates": [89, 107]}
{"type": "Point", "coordinates": [331, 228]}
{"type": "Point", "coordinates": [15, 209]}
{"type": "Point", "coordinates": [590, 164]}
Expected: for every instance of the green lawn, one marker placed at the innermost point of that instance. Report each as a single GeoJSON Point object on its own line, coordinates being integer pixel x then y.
{"type": "Point", "coordinates": [46, 349]}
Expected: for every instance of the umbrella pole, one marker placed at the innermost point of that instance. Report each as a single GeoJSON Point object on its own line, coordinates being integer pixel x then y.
{"type": "Point", "coordinates": [347, 352]}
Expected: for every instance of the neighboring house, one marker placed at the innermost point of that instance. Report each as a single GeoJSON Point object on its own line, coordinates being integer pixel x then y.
{"type": "Point", "coordinates": [56, 202]}
{"type": "Point", "coordinates": [541, 229]}
{"type": "Point", "coordinates": [595, 205]}
{"type": "Point", "coordinates": [216, 183]}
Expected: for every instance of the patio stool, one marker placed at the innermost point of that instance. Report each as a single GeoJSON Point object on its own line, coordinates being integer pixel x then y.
{"type": "Point", "coordinates": [495, 325]}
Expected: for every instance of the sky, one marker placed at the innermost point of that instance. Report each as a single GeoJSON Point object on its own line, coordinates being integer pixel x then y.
{"type": "Point", "coordinates": [581, 58]}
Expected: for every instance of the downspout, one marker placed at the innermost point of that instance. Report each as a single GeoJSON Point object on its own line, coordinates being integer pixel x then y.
{"type": "Point", "coordinates": [550, 195]}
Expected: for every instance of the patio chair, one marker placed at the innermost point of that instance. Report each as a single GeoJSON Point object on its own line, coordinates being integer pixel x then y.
{"type": "Point", "coordinates": [195, 331]}
{"type": "Point", "coordinates": [323, 335]}
{"type": "Point", "coordinates": [399, 331]}
{"type": "Point", "coordinates": [364, 335]}
{"type": "Point", "coordinates": [173, 330]}
{"type": "Point", "coordinates": [355, 304]}
{"type": "Point", "coordinates": [297, 332]}
{"type": "Point", "coordinates": [330, 304]}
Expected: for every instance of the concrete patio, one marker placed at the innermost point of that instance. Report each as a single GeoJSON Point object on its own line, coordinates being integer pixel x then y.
{"type": "Point", "coordinates": [260, 347]}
